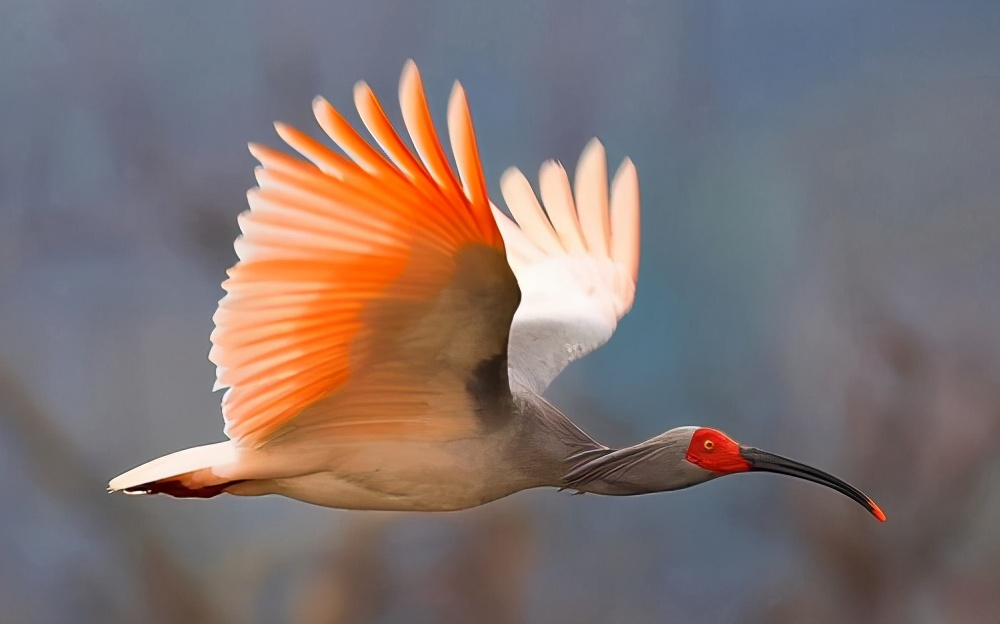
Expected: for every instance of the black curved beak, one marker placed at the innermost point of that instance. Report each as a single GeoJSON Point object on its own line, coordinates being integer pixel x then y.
{"type": "Point", "coordinates": [762, 461]}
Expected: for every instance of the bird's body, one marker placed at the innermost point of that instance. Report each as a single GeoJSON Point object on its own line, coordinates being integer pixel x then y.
{"type": "Point", "coordinates": [393, 476]}
{"type": "Point", "coordinates": [388, 333]}
{"type": "Point", "coordinates": [398, 475]}
{"type": "Point", "coordinates": [410, 475]}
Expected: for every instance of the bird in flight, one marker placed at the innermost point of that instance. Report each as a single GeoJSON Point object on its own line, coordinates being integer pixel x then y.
{"type": "Point", "coordinates": [387, 333]}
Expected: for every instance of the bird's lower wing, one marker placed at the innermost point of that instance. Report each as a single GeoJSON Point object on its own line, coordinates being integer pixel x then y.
{"type": "Point", "coordinates": [576, 262]}
{"type": "Point", "coordinates": [372, 292]}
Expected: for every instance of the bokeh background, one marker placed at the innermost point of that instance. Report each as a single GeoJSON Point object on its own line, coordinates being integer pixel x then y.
{"type": "Point", "coordinates": [821, 277]}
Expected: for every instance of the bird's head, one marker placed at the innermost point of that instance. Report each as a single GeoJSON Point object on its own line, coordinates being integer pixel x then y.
{"type": "Point", "coordinates": [687, 456]}
{"type": "Point", "coordinates": [719, 454]}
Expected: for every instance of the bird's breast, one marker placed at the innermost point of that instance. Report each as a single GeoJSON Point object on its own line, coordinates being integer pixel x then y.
{"type": "Point", "coordinates": [402, 476]}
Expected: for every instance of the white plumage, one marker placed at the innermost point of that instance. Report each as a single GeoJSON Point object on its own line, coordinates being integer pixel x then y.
{"type": "Point", "coordinates": [575, 262]}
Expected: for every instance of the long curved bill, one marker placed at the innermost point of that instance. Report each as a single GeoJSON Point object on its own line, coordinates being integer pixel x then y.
{"type": "Point", "coordinates": [762, 461]}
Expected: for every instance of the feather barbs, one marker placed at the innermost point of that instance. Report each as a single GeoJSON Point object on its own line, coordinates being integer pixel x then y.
{"type": "Point", "coordinates": [328, 236]}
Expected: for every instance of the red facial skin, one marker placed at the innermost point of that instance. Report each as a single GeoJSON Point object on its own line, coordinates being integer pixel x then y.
{"type": "Point", "coordinates": [715, 451]}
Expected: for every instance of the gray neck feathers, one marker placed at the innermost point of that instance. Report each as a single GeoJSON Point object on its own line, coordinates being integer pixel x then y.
{"type": "Point", "coordinates": [545, 444]}
{"type": "Point", "coordinates": [656, 465]}
{"type": "Point", "coordinates": [545, 448]}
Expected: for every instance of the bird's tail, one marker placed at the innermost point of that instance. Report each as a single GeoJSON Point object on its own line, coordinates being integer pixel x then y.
{"type": "Point", "coordinates": [184, 474]}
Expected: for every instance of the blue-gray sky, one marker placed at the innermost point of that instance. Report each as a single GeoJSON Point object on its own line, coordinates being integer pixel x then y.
{"type": "Point", "coordinates": [821, 276]}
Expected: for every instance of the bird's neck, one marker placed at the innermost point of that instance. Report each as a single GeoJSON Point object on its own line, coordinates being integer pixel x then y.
{"type": "Point", "coordinates": [656, 465]}
{"type": "Point", "coordinates": [547, 449]}
{"type": "Point", "coordinates": [545, 445]}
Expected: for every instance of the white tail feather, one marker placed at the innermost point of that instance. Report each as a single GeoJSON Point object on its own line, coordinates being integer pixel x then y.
{"type": "Point", "coordinates": [192, 460]}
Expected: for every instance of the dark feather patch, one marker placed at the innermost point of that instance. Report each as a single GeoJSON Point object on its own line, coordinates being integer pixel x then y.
{"type": "Point", "coordinates": [174, 487]}
{"type": "Point", "coordinates": [489, 387]}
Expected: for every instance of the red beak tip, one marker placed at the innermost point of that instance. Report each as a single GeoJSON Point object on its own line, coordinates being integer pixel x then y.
{"type": "Point", "coordinates": [879, 515]}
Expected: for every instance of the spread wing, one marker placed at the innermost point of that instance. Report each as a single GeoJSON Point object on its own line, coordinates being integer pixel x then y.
{"type": "Point", "coordinates": [372, 296]}
{"type": "Point", "coordinates": [576, 262]}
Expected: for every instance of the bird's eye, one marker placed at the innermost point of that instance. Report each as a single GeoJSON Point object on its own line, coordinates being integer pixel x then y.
{"type": "Point", "coordinates": [709, 445]}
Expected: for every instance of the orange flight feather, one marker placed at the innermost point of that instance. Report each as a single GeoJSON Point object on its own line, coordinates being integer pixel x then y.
{"type": "Point", "coordinates": [325, 239]}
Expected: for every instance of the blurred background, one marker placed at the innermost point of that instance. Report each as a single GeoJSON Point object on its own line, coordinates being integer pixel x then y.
{"type": "Point", "coordinates": [821, 277]}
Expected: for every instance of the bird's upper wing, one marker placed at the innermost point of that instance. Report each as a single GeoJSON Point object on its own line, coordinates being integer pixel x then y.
{"type": "Point", "coordinates": [576, 262]}
{"type": "Point", "coordinates": [372, 296]}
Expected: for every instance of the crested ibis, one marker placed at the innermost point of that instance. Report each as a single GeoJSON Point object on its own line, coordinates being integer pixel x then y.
{"type": "Point", "coordinates": [387, 333]}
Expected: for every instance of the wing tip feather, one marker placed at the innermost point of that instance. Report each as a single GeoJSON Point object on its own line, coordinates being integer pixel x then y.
{"type": "Point", "coordinates": [591, 191]}
{"type": "Point", "coordinates": [625, 208]}
{"type": "Point", "coordinates": [593, 147]}
{"type": "Point", "coordinates": [557, 195]}
{"type": "Point", "coordinates": [465, 150]}
{"type": "Point", "coordinates": [409, 79]}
